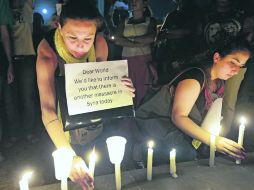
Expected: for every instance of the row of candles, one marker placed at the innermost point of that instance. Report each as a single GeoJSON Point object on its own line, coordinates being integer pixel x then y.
{"type": "Point", "coordinates": [116, 148]}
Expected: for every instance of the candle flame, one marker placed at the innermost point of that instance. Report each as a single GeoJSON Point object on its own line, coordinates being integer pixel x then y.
{"type": "Point", "coordinates": [92, 156]}
{"type": "Point", "coordinates": [173, 151]}
{"type": "Point", "coordinates": [27, 175]}
{"type": "Point", "coordinates": [150, 144]}
{"type": "Point", "coordinates": [243, 120]}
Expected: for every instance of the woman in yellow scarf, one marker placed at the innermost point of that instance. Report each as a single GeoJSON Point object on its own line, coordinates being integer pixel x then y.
{"type": "Point", "coordinates": [71, 42]}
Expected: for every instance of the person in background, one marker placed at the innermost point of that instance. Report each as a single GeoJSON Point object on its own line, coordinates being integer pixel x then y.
{"type": "Point", "coordinates": [38, 29]}
{"type": "Point", "coordinates": [173, 45]}
{"type": "Point", "coordinates": [53, 22]}
{"type": "Point", "coordinates": [24, 66]}
{"type": "Point", "coordinates": [73, 41]}
{"type": "Point", "coordinates": [117, 12]}
{"type": "Point", "coordinates": [6, 74]}
{"type": "Point", "coordinates": [136, 36]}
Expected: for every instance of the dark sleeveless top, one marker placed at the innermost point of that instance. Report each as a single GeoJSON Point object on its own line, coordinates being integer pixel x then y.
{"type": "Point", "coordinates": [50, 39]}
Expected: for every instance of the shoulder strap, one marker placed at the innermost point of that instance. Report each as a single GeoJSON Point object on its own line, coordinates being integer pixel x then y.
{"type": "Point", "coordinates": [186, 70]}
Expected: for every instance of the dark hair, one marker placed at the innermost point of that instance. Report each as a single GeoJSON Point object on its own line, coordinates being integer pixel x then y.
{"type": "Point", "coordinates": [37, 19]}
{"type": "Point", "coordinates": [80, 10]}
{"type": "Point", "coordinates": [228, 46]}
{"type": "Point", "coordinates": [231, 45]}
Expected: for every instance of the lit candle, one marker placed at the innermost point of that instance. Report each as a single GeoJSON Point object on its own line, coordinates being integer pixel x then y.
{"type": "Point", "coordinates": [64, 184]}
{"type": "Point", "coordinates": [173, 163]}
{"type": "Point", "coordinates": [150, 160]}
{"type": "Point", "coordinates": [116, 148]}
{"type": "Point", "coordinates": [212, 150]}
{"type": "Point", "coordinates": [63, 162]}
{"type": "Point", "coordinates": [92, 160]}
{"type": "Point", "coordinates": [23, 183]}
{"type": "Point", "coordinates": [241, 135]}
{"type": "Point", "coordinates": [214, 132]}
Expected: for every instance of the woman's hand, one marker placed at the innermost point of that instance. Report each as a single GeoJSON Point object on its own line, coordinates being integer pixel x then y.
{"type": "Point", "coordinates": [129, 85]}
{"type": "Point", "coordinates": [79, 174]}
{"type": "Point", "coordinates": [229, 147]}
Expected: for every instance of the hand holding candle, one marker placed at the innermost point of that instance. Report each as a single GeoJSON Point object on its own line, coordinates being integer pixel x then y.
{"type": "Point", "coordinates": [23, 183]}
{"type": "Point", "coordinates": [150, 160]}
{"type": "Point", "coordinates": [84, 178]}
{"type": "Point", "coordinates": [173, 163]}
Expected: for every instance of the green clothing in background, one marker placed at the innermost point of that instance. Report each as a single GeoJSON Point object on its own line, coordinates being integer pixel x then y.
{"type": "Point", "coordinates": [5, 13]}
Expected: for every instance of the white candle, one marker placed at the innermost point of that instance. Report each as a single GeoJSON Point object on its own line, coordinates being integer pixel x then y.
{"type": "Point", "coordinates": [92, 160]}
{"type": "Point", "coordinates": [23, 183]}
{"type": "Point", "coordinates": [64, 184]}
{"type": "Point", "coordinates": [116, 148]}
{"type": "Point", "coordinates": [173, 163]}
{"type": "Point", "coordinates": [212, 150]}
{"type": "Point", "coordinates": [241, 135]}
{"type": "Point", "coordinates": [118, 176]}
{"type": "Point", "coordinates": [63, 162]}
{"type": "Point", "coordinates": [150, 161]}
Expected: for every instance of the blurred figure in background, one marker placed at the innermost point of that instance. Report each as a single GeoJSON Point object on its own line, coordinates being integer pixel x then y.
{"type": "Point", "coordinates": [53, 22]}
{"type": "Point", "coordinates": [6, 65]}
{"type": "Point", "coordinates": [117, 12]}
{"type": "Point", "coordinates": [38, 29]}
{"type": "Point", "coordinates": [174, 42]}
{"type": "Point", "coordinates": [24, 66]}
{"type": "Point", "coordinates": [136, 35]}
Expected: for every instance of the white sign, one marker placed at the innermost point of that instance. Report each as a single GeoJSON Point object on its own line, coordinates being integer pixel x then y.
{"type": "Point", "coordinates": [96, 86]}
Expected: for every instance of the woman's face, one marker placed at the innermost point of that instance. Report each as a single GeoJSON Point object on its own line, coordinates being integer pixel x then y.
{"type": "Point", "coordinates": [137, 5]}
{"type": "Point", "coordinates": [223, 3]}
{"type": "Point", "coordinates": [78, 36]}
{"type": "Point", "coordinates": [229, 65]}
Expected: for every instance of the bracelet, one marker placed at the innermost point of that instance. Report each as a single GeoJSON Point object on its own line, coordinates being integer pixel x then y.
{"type": "Point", "coordinates": [53, 120]}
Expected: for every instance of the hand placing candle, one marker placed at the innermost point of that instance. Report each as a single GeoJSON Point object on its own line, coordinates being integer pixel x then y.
{"type": "Point", "coordinates": [23, 183]}
{"type": "Point", "coordinates": [92, 160]}
{"type": "Point", "coordinates": [241, 135]}
{"type": "Point", "coordinates": [150, 160]}
{"type": "Point", "coordinates": [173, 163]}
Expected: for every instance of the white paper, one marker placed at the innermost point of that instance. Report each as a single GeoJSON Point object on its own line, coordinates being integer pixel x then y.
{"type": "Point", "coordinates": [96, 86]}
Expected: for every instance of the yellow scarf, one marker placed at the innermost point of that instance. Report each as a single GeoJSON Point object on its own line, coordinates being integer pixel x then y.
{"type": "Point", "coordinates": [65, 54]}
{"type": "Point", "coordinates": [68, 58]}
